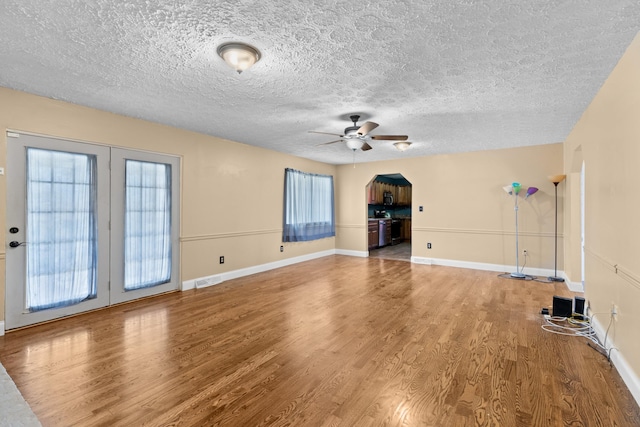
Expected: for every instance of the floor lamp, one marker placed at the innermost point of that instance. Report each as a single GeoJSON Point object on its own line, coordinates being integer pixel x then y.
{"type": "Point", "coordinates": [514, 190]}
{"type": "Point", "coordinates": [556, 179]}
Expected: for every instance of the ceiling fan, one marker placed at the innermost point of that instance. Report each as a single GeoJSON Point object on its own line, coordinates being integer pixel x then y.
{"type": "Point", "coordinates": [357, 137]}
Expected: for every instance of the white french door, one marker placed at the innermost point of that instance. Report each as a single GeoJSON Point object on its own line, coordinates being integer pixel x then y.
{"type": "Point", "coordinates": [82, 236]}
{"type": "Point", "coordinates": [144, 224]}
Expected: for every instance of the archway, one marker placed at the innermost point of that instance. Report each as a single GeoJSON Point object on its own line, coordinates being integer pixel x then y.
{"type": "Point", "coordinates": [389, 217]}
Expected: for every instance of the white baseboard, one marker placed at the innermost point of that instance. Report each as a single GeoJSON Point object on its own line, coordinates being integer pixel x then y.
{"type": "Point", "coordinates": [628, 375]}
{"type": "Point", "coordinates": [216, 279]}
{"type": "Point", "coordinates": [499, 268]}
{"type": "Point", "coordinates": [1, 328]}
{"type": "Point", "coordinates": [421, 260]}
{"type": "Point", "coordinates": [361, 254]}
{"type": "Point", "coordinates": [574, 286]}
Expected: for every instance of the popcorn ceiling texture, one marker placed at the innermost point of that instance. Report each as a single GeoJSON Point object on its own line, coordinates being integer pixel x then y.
{"type": "Point", "coordinates": [455, 76]}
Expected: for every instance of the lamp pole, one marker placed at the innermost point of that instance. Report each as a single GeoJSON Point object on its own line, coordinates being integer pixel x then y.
{"type": "Point", "coordinates": [556, 179]}
{"type": "Point", "coordinates": [518, 274]}
{"type": "Point", "coordinates": [555, 277]}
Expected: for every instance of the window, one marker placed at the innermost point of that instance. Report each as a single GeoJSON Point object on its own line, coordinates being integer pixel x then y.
{"type": "Point", "coordinates": [61, 212]}
{"type": "Point", "coordinates": [308, 206]}
{"type": "Point", "coordinates": [147, 224]}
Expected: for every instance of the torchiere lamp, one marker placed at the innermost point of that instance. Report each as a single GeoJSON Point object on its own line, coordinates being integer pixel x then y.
{"type": "Point", "coordinates": [514, 190]}
{"type": "Point", "coordinates": [556, 179]}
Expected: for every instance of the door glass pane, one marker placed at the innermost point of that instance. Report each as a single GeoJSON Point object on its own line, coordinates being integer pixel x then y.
{"type": "Point", "coordinates": [147, 228]}
{"type": "Point", "coordinates": [61, 228]}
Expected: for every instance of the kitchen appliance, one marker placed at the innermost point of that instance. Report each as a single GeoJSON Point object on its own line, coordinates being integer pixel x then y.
{"type": "Point", "coordinates": [384, 232]}
{"type": "Point", "coordinates": [396, 231]}
{"type": "Point", "coordinates": [388, 198]}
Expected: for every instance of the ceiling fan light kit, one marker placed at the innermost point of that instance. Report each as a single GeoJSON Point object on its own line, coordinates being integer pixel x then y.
{"type": "Point", "coordinates": [354, 144]}
{"type": "Point", "coordinates": [239, 56]}
{"type": "Point", "coordinates": [358, 138]}
{"type": "Point", "coordinates": [402, 145]}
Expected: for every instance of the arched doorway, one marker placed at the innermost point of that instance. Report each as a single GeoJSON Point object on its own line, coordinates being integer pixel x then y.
{"type": "Point", "coordinates": [389, 217]}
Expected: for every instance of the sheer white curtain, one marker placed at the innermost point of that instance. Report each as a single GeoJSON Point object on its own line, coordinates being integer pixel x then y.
{"type": "Point", "coordinates": [147, 224]}
{"type": "Point", "coordinates": [308, 206]}
{"type": "Point", "coordinates": [61, 232]}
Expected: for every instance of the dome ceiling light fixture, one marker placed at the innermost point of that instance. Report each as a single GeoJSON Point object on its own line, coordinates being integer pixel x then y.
{"type": "Point", "coordinates": [402, 145]}
{"type": "Point", "coordinates": [239, 56]}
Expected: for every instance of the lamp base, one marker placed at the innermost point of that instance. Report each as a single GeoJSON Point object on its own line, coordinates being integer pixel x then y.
{"type": "Point", "coordinates": [518, 276]}
{"type": "Point", "coordinates": [555, 279]}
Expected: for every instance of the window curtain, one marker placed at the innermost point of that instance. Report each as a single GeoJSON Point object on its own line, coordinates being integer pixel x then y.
{"type": "Point", "coordinates": [308, 206]}
{"type": "Point", "coordinates": [147, 224]}
{"type": "Point", "coordinates": [61, 229]}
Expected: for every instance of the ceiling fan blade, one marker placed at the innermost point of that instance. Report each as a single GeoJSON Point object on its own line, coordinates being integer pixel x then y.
{"type": "Point", "coordinates": [367, 127]}
{"type": "Point", "coordinates": [326, 133]}
{"type": "Point", "coordinates": [330, 142]}
{"type": "Point", "coordinates": [366, 147]}
{"type": "Point", "coordinates": [390, 137]}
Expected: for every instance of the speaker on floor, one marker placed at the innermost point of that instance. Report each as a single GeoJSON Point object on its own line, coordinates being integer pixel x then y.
{"type": "Point", "coordinates": [578, 306]}
{"type": "Point", "coordinates": [562, 307]}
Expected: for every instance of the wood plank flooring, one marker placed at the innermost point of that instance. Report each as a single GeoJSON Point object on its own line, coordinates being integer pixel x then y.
{"type": "Point", "coordinates": [338, 341]}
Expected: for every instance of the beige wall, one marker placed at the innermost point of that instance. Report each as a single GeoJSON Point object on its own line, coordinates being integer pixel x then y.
{"type": "Point", "coordinates": [607, 139]}
{"type": "Point", "coordinates": [467, 216]}
{"type": "Point", "coordinates": [231, 193]}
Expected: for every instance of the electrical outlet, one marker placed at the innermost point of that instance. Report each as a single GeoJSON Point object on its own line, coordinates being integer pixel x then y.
{"type": "Point", "coordinates": [221, 260]}
{"type": "Point", "coordinates": [281, 248]}
{"type": "Point", "coordinates": [614, 311]}
{"type": "Point", "coordinates": [525, 253]}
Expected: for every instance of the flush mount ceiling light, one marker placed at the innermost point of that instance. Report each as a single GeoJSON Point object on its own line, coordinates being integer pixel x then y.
{"type": "Point", "coordinates": [239, 56]}
{"type": "Point", "coordinates": [402, 145]}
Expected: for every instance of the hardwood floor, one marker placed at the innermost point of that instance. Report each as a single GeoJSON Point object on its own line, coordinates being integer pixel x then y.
{"type": "Point", "coordinates": [338, 341]}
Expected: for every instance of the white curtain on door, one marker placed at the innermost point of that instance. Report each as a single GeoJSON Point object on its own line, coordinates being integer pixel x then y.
{"type": "Point", "coordinates": [61, 231]}
{"type": "Point", "coordinates": [147, 256]}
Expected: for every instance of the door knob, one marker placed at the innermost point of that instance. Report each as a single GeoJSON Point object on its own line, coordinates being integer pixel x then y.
{"type": "Point", "coordinates": [15, 244]}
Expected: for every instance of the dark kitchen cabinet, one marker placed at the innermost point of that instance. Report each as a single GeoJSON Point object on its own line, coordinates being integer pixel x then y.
{"type": "Point", "coordinates": [406, 229]}
{"type": "Point", "coordinates": [373, 234]}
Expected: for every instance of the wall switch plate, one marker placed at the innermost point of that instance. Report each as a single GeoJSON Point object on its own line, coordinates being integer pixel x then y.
{"type": "Point", "coordinates": [221, 260]}
{"type": "Point", "coordinates": [1, 171]}
{"type": "Point", "coordinates": [428, 245]}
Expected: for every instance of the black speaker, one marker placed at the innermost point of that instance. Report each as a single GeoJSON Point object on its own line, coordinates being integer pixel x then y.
{"type": "Point", "coordinates": [578, 306]}
{"type": "Point", "coordinates": [562, 307]}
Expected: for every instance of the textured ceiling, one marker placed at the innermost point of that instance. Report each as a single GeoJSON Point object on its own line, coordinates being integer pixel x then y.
{"type": "Point", "coordinates": [455, 76]}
